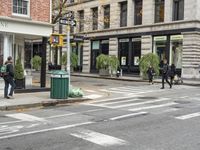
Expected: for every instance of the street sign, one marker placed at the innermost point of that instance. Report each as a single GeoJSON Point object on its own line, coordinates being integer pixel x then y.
{"type": "Point", "coordinates": [68, 15]}
{"type": "Point", "coordinates": [68, 22]}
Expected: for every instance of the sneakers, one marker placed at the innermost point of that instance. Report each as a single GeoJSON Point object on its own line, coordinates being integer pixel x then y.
{"type": "Point", "coordinates": [162, 88]}
{"type": "Point", "coordinates": [10, 97]}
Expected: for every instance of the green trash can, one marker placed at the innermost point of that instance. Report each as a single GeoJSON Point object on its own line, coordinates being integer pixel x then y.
{"type": "Point", "coordinates": [59, 84]}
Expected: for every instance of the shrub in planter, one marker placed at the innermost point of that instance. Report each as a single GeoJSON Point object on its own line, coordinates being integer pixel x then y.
{"type": "Point", "coordinates": [146, 61]}
{"type": "Point", "coordinates": [19, 74]}
{"type": "Point", "coordinates": [113, 63]}
{"type": "Point", "coordinates": [36, 62]}
{"type": "Point", "coordinates": [102, 63]}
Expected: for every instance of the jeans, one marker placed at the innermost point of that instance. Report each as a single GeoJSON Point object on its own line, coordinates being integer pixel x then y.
{"type": "Point", "coordinates": [9, 81]}
{"type": "Point", "coordinates": [165, 78]}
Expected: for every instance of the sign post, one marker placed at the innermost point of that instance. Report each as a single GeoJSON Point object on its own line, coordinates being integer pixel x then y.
{"type": "Point", "coordinates": [68, 20]}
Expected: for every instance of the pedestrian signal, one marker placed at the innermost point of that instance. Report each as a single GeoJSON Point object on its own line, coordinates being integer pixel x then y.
{"type": "Point", "coordinates": [56, 40]}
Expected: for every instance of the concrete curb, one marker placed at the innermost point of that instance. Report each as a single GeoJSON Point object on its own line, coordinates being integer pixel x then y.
{"type": "Point", "coordinates": [44, 104]}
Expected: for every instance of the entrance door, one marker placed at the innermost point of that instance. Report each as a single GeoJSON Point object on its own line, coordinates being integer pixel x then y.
{"type": "Point", "coordinates": [129, 54]}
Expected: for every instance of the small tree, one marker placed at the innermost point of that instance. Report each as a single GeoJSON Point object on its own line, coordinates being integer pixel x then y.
{"type": "Point", "coordinates": [102, 62]}
{"type": "Point", "coordinates": [36, 62]}
{"type": "Point", "coordinates": [113, 63]}
{"type": "Point", "coordinates": [19, 71]}
{"type": "Point", "coordinates": [146, 61]}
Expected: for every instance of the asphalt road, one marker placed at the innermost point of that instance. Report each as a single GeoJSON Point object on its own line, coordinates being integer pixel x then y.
{"type": "Point", "coordinates": [122, 116]}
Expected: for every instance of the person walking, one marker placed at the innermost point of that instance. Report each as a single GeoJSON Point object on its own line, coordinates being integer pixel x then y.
{"type": "Point", "coordinates": [150, 73]}
{"type": "Point", "coordinates": [9, 78]}
{"type": "Point", "coordinates": [172, 73]}
{"type": "Point", "coordinates": [165, 74]}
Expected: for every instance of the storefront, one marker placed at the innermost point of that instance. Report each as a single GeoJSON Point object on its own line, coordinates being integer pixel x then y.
{"type": "Point", "coordinates": [129, 54]}
{"type": "Point", "coordinates": [98, 47]}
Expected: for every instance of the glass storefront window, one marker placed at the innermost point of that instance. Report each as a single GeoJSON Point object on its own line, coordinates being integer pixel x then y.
{"type": "Point", "coordinates": [124, 51]}
{"type": "Point", "coordinates": [160, 47]}
{"type": "Point", "coordinates": [176, 47]}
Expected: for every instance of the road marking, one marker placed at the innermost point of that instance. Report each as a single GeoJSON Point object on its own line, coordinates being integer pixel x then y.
{"type": "Point", "coordinates": [46, 130]}
{"type": "Point", "coordinates": [129, 115]}
{"type": "Point", "coordinates": [184, 117]}
{"type": "Point", "coordinates": [8, 130]}
{"type": "Point", "coordinates": [111, 99]}
{"type": "Point", "coordinates": [25, 117]}
{"type": "Point", "coordinates": [141, 103]}
{"type": "Point", "coordinates": [99, 138]}
{"type": "Point", "coordinates": [93, 96]}
{"type": "Point", "coordinates": [151, 107]}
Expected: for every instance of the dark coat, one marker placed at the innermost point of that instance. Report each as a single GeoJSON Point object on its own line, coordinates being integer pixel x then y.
{"type": "Point", "coordinates": [150, 72]}
{"type": "Point", "coordinates": [10, 71]}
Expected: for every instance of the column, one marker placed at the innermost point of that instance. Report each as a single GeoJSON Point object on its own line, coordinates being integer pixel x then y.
{"type": "Point", "coordinates": [43, 64]}
{"type": "Point", "coordinates": [168, 11]}
{"type": "Point", "coordinates": [148, 12]}
{"type": "Point", "coordinates": [130, 13]}
{"type": "Point", "coordinates": [86, 56]}
{"type": "Point", "coordinates": [191, 55]}
{"type": "Point", "coordinates": [113, 46]}
{"type": "Point", "coordinates": [87, 20]}
{"type": "Point", "coordinates": [146, 44]}
{"type": "Point", "coordinates": [114, 15]}
{"type": "Point", "coordinates": [7, 50]}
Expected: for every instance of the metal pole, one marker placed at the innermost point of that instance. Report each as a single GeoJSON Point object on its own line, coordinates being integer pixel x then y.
{"type": "Point", "coordinates": [68, 52]}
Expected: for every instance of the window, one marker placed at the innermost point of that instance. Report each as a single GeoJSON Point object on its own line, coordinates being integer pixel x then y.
{"type": "Point", "coordinates": [138, 12]}
{"type": "Point", "coordinates": [178, 10]}
{"type": "Point", "coordinates": [95, 18]}
{"type": "Point", "coordinates": [107, 17]}
{"type": "Point", "coordinates": [159, 10]}
{"type": "Point", "coordinates": [123, 15]}
{"type": "Point", "coordinates": [21, 7]}
{"type": "Point", "coordinates": [81, 21]}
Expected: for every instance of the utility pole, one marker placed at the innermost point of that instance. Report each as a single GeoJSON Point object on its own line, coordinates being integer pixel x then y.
{"type": "Point", "coordinates": [68, 51]}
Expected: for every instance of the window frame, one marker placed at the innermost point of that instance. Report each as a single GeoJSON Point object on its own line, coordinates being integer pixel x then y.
{"type": "Point", "coordinates": [95, 18]}
{"type": "Point", "coordinates": [136, 19]}
{"type": "Point", "coordinates": [160, 4]}
{"type": "Point", "coordinates": [18, 14]}
{"type": "Point", "coordinates": [123, 14]}
{"type": "Point", "coordinates": [106, 17]}
{"type": "Point", "coordinates": [178, 11]}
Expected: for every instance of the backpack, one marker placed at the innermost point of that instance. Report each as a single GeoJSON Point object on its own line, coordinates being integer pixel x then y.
{"type": "Point", "coordinates": [3, 70]}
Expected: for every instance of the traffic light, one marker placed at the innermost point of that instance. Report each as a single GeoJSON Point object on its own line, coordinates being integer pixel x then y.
{"type": "Point", "coordinates": [56, 39]}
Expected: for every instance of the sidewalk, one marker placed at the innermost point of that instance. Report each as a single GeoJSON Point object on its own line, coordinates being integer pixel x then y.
{"type": "Point", "coordinates": [42, 99]}
{"type": "Point", "coordinates": [191, 82]}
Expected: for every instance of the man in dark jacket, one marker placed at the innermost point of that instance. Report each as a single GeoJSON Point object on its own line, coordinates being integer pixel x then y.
{"type": "Point", "coordinates": [165, 74]}
{"type": "Point", "coordinates": [9, 78]}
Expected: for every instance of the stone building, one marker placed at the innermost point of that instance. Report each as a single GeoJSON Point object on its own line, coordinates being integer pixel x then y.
{"type": "Point", "coordinates": [132, 28]}
{"type": "Point", "coordinates": [22, 21]}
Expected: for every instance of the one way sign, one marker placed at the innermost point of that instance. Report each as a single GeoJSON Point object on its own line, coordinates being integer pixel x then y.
{"type": "Point", "coordinates": [68, 22]}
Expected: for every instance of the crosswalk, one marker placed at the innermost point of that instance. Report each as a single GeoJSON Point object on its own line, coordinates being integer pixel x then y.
{"type": "Point", "coordinates": [135, 99]}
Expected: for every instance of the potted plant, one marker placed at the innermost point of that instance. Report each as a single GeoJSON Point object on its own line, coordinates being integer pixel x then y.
{"type": "Point", "coordinates": [102, 63]}
{"type": "Point", "coordinates": [114, 64]}
{"type": "Point", "coordinates": [73, 61]}
{"type": "Point", "coordinates": [146, 61]}
{"type": "Point", "coordinates": [36, 62]}
{"type": "Point", "coordinates": [19, 75]}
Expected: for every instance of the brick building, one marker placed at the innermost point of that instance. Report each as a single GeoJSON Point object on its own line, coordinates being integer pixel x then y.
{"type": "Point", "coordinates": [132, 28]}
{"type": "Point", "coordinates": [21, 21]}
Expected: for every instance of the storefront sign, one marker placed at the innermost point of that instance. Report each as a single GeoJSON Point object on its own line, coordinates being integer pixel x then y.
{"type": "Point", "coordinates": [3, 24]}
{"type": "Point", "coordinates": [136, 60]}
{"type": "Point", "coordinates": [123, 61]}
{"type": "Point", "coordinates": [160, 38]}
{"type": "Point", "coordinates": [176, 37]}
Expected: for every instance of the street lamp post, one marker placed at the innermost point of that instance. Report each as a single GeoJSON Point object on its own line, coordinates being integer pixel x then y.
{"type": "Point", "coordinates": [68, 52]}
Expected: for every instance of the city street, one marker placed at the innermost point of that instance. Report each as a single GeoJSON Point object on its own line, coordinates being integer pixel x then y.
{"type": "Point", "coordinates": [122, 116]}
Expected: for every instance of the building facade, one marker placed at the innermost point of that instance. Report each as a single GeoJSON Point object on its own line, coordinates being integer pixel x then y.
{"type": "Point", "coordinates": [23, 21]}
{"type": "Point", "coordinates": [131, 28]}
